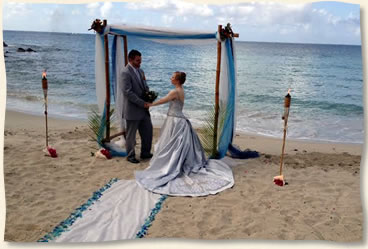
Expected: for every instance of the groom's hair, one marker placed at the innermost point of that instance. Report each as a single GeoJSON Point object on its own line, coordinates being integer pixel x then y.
{"type": "Point", "coordinates": [181, 76]}
{"type": "Point", "coordinates": [133, 53]}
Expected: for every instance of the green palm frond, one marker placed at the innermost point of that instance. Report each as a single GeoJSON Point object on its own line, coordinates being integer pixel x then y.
{"type": "Point", "coordinates": [94, 123]}
{"type": "Point", "coordinates": [206, 132]}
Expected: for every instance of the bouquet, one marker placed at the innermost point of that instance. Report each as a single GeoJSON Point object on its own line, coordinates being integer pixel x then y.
{"type": "Point", "coordinates": [149, 96]}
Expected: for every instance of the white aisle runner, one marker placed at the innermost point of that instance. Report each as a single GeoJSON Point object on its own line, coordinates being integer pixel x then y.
{"type": "Point", "coordinates": [118, 214]}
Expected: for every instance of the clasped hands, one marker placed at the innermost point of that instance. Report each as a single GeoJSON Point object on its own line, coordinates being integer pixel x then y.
{"type": "Point", "coordinates": [147, 105]}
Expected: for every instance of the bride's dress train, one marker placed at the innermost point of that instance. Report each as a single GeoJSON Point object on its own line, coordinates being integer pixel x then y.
{"type": "Point", "coordinates": [178, 167]}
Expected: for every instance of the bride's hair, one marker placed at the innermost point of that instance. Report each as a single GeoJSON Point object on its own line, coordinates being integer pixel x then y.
{"type": "Point", "coordinates": [181, 76]}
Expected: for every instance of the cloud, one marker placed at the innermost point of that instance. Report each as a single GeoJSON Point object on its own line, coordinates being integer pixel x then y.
{"type": "Point", "coordinates": [92, 9]}
{"type": "Point", "coordinates": [288, 21]}
{"type": "Point", "coordinates": [93, 5]}
{"type": "Point", "coordinates": [153, 5]}
{"type": "Point", "coordinates": [105, 9]}
{"type": "Point", "coordinates": [263, 21]}
{"type": "Point", "coordinates": [174, 12]}
{"type": "Point", "coordinates": [174, 7]}
{"type": "Point", "coordinates": [15, 9]}
{"type": "Point", "coordinates": [76, 12]}
{"type": "Point", "coordinates": [167, 20]}
{"type": "Point", "coordinates": [263, 13]}
{"type": "Point", "coordinates": [58, 20]}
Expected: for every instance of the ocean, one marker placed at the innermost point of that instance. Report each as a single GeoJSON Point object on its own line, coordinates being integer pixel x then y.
{"type": "Point", "coordinates": [326, 82]}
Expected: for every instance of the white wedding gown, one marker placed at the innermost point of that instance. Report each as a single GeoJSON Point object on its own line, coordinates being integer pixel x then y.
{"type": "Point", "coordinates": [179, 166]}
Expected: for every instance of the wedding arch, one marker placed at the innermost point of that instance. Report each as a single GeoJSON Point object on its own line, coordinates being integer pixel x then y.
{"type": "Point", "coordinates": [225, 93]}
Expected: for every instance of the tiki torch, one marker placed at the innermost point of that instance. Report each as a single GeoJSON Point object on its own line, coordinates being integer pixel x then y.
{"type": "Point", "coordinates": [45, 88]}
{"type": "Point", "coordinates": [51, 151]}
{"type": "Point", "coordinates": [279, 180]}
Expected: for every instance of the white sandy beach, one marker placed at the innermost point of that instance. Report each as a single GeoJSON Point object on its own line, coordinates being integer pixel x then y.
{"type": "Point", "coordinates": [321, 201]}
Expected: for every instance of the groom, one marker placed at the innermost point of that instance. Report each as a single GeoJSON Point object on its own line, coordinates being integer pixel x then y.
{"type": "Point", "coordinates": [135, 109]}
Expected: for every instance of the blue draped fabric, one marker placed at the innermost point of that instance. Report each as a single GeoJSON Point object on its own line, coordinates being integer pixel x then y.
{"type": "Point", "coordinates": [113, 65]}
{"type": "Point", "coordinates": [226, 137]}
{"type": "Point", "coordinates": [163, 35]}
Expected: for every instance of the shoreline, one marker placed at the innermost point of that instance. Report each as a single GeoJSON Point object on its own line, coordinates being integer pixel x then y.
{"type": "Point", "coordinates": [261, 143]}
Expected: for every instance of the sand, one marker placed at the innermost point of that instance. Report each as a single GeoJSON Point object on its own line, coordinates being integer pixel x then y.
{"type": "Point", "coordinates": [321, 201]}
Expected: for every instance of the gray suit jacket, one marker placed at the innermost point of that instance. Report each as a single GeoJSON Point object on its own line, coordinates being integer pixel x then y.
{"type": "Point", "coordinates": [133, 89]}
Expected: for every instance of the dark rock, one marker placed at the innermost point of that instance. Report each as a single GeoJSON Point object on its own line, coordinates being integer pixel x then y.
{"type": "Point", "coordinates": [30, 50]}
{"type": "Point", "coordinates": [4, 44]}
{"type": "Point", "coordinates": [21, 50]}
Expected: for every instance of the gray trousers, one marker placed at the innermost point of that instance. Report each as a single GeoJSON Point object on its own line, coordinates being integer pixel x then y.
{"type": "Point", "coordinates": [145, 130]}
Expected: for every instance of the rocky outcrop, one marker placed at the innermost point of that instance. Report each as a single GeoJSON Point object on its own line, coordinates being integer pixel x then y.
{"type": "Point", "coordinates": [25, 50]}
{"type": "Point", "coordinates": [4, 44]}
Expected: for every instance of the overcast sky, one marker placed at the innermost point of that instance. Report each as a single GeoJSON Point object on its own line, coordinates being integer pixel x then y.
{"type": "Point", "coordinates": [320, 22]}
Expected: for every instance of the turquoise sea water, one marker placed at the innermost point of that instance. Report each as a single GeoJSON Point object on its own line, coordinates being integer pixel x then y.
{"type": "Point", "coordinates": [326, 81]}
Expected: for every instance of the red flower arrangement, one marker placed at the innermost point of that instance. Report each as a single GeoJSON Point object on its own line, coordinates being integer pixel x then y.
{"type": "Point", "coordinates": [106, 153]}
{"type": "Point", "coordinates": [50, 151]}
{"type": "Point", "coordinates": [279, 180]}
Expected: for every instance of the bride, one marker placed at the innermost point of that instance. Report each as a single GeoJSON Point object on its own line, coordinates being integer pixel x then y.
{"type": "Point", "coordinates": [179, 166]}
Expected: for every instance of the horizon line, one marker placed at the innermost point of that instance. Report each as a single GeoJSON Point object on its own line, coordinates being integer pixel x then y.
{"type": "Point", "coordinates": [306, 43]}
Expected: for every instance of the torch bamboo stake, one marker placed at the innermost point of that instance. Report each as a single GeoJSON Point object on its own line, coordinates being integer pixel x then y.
{"type": "Point", "coordinates": [285, 117]}
{"type": "Point", "coordinates": [47, 133]}
{"type": "Point", "coordinates": [107, 84]}
{"type": "Point", "coordinates": [214, 151]}
{"type": "Point", "coordinates": [45, 88]}
{"type": "Point", "coordinates": [283, 141]}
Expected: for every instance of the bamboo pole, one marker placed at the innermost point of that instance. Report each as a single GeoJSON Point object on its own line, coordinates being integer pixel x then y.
{"type": "Point", "coordinates": [47, 129]}
{"type": "Point", "coordinates": [286, 116]}
{"type": "Point", "coordinates": [44, 88]}
{"type": "Point", "coordinates": [214, 151]}
{"type": "Point", "coordinates": [125, 49]}
{"type": "Point", "coordinates": [107, 84]}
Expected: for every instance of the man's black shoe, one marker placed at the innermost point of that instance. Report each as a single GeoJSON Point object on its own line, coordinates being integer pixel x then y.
{"type": "Point", "coordinates": [148, 156]}
{"type": "Point", "coordinates": [132, 160]}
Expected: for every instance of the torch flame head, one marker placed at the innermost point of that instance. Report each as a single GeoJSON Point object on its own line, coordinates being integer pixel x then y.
{"type": "Point", "coordinates": [44, 74]}
{"type": "Point", "coordinates": [287, 99]}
